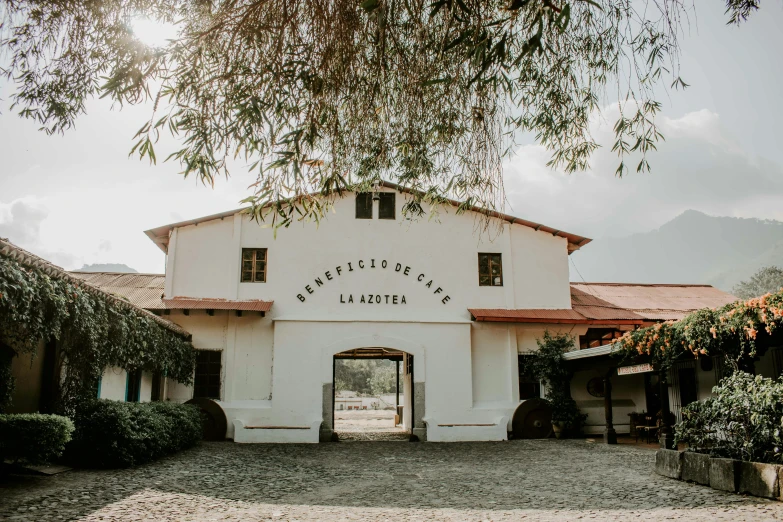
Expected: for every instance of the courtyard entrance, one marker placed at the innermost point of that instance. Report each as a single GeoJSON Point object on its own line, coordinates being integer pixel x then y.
{"type": "Point", "coordinates": [372, 395]}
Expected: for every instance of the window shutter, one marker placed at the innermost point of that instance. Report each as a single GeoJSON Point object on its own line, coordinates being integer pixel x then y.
{"type": "Point", "coordinates": [363, 205]}
{"type": "Point", "coordinates": [386, 207]}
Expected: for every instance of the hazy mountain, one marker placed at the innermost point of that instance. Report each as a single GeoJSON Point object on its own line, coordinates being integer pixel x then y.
{"type": "Point", "coordinates": [108, 267]}
{"type": "Point", "coordinates": [691, 248]}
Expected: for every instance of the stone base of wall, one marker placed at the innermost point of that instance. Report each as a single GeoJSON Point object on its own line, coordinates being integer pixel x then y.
{"type": "Point", "coordinates": [752, 478]}
{"type": "Point", "coordinates": [696, 468]}
{"type": "Point", "coordinates": [668, 463]}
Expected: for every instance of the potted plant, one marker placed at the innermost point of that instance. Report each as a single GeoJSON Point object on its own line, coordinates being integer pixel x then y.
{"type": "Point", "coordinates": [566, 417]}
{"type": "Point", "coordinates": [548, 365]}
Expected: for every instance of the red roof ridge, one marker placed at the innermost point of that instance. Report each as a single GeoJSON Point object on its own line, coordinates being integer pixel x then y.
{"type": "Point", "coordinates": [160, 235]}
{"type": "Point", "coordinates": [682, 285]}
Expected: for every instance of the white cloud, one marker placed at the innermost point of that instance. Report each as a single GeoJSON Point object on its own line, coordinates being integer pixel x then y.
{"type": "Point", "coordinates": [700, 166]}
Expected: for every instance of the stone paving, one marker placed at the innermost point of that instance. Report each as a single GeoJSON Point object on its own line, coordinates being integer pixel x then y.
{"type": "Point", "coordinates": [514, 480]}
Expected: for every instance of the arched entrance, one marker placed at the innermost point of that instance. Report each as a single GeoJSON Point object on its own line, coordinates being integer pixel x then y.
{"type": "Point", "coordinates": [390, 414]}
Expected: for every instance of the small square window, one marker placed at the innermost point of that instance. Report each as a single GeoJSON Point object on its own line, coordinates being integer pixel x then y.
{"type": "Point", "coordinates": [363, 205]}
{"type": "Point", "coordinates": [386, 208]}
{"type": "Point", "coordinates": [253, 265]}
{"type": "Point", "coordinates": [490, 270]}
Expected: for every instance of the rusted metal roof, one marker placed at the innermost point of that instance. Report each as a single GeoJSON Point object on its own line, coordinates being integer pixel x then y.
{"type": "Point", "coordinates": [143, 290]}
{"type": "Point", "coordinates": [653, 302]}
{"type": "Point", "coordinates": [191, 303]}
{"type": "Point", "coordinates": [616, 303]}
{"type": "Point", "coordinates": [146, 291]}
{"type": "Point", "coordinates": [160, 235]}
{"type": "Point", "coordinates": [29, 259]}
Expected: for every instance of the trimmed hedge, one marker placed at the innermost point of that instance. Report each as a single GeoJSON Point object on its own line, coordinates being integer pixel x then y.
{"type": "Point", "coordinates": [111, 434]}
{"type": "Point", "coordinates": [33, 438]}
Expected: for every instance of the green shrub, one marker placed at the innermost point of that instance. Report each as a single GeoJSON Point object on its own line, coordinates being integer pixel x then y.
{"type": "Point", "coordinates": [33, 438]}
{"type": "Point", "coordinates": [744, 420]}
{"type": "Point", "coordinates": [112, 434]}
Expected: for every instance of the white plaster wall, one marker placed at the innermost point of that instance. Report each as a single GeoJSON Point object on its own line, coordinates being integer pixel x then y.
{"type": "Point", "coordinates": [493, 358]}
{"type": "Point", "coordinates": [113, 384]}
{"type": "Point", "coordinates": [303, 364]}
{"type": "Point", "coordinates": [627, 396]}
{"type": "Point", "coordinates": [444, 250]}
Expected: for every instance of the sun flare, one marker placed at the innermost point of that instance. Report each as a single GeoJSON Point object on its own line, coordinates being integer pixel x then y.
{"type": "Point", "coordinates": [153, 32]}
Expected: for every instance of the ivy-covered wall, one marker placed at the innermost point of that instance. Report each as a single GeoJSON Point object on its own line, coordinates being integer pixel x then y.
{"type": "Point", "coordinates": [92, 329]}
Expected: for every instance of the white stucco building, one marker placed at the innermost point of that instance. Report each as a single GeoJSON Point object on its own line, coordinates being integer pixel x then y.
{"type": "Point", "coordinates": [458, 304]}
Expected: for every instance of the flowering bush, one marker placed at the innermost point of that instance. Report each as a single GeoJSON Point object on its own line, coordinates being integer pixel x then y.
{"type": "Point", "coordinates": [736, 330]}
{"type": "Point", "coordinates": [744, 420]}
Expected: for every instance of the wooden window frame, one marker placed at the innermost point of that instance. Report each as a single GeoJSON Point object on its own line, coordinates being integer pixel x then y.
{"type": "Point", "coordinates": [205, 369]}
{"type": "Point", "coordinates": [387, 196]}
{"type": "Point", "coordinates": [491, 256]}
{"type": "Point", "coordinates": [254, 270]}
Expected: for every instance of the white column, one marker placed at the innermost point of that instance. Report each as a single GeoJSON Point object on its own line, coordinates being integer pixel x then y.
{"type": "Point", "coordinates": [236, 258]}
{"type": "Point", "coordinates": [508, 268]}
{"type": "Point", "coordinates": [171, 257]}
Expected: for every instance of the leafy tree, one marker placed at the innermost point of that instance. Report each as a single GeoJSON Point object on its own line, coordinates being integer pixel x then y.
{"type": "Point", "coordinates": [365, 376]}
{"type": "Point", "coordinates": [321, 95]}
{"type": "Point", "coordinates": [767, 280]}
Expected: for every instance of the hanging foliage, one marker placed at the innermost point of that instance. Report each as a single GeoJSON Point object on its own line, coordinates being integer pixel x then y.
{"type": "Point", "coordinates": [736, 331]}
{"type": "Point", "coordinates": [93, 330]}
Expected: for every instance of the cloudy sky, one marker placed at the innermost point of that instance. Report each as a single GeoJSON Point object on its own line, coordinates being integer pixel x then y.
{"type": "Point", "coordinates": [79, 199]}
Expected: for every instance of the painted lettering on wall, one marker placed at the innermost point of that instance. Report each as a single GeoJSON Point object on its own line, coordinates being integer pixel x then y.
{"type": "Point", "coordinates": [372, 264]}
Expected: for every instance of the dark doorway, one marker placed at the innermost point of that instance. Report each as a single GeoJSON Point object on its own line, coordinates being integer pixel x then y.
{"type": "Point", "coordinates": [686, 378]}
{"type": "Point", "coordinates": [652, 390]}
{"type": "Point", "coordinates": [372, 394]}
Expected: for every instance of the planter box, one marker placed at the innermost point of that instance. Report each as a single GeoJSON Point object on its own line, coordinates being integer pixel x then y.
{"type": "Point", "coordinates": [696, 467]}
{"type": "Point", "coordinates": [760, 480]}
{"type": "Point", "coordinates": [668, 463]}
{"type": "Point", "coordinates": [724, 474]}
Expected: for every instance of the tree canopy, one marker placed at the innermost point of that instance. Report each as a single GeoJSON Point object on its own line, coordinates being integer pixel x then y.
{"type": "Point", "coordinates": [766, 280]}
{"type": "Point", "coordinates": [321, 95]}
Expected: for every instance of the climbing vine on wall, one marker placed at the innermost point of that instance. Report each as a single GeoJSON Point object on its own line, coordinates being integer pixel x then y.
{"type": "Point", "coordinates": [92, 331]}
{"type": "Point", "coordinates": [736, 331]}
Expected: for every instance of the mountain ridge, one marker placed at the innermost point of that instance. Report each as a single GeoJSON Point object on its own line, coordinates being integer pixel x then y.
{"type": "Point", "coordinates": [694, 247]}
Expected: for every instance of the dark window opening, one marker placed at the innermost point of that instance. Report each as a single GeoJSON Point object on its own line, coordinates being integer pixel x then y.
{"type": "Point", "coordinates": [490, 270]}
{"type": "Point", "coordinates": [595, 337]}
{"type": "Point", "coordinates": [386, 205]}
{"type": "Point", "coordinates": [688, 388]}
{"type": "Point", "coordinates": [364, 205]}
{"type": "Point", "coordinates": [207, 381]}
{"type": "Point", "coordinates": [133, 388]}
{"type": "Point", "coordinates": [529, 386]}
{"type": "Point", "coordinates": [253, 265]}
{"type": "Point", "coordinates": [158, 383]}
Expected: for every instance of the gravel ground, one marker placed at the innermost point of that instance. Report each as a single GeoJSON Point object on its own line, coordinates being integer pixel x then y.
{"type": "Point", "coordinates": [514, 480]}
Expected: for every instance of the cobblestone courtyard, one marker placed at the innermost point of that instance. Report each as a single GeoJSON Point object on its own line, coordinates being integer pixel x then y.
{"type": "Point", "coordinates": [515, 480]}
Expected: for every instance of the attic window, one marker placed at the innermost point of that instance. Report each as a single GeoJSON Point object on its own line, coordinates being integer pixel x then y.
{"type": "Point", "coordinates": [386, 205]}
{"type": "Point", "coordinates": [363, 205]}
{"type": "Point", "coordinates": [253, 265]}
{"type": "Point", "coordinates": [490, 270]}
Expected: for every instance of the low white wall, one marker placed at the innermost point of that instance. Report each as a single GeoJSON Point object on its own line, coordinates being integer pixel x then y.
{"type": "Point", "coordinates": [113, 384]}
